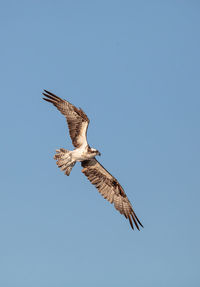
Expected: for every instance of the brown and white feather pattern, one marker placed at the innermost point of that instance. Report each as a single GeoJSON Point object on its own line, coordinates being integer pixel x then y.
{"type": "Point", "coordinates": [76, 118]}
{"type": "Point", "coordinates": [110, 189]}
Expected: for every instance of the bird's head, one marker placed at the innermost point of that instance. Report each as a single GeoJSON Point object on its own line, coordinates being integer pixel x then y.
{"type": "Point", "coordinates": [95, 151]}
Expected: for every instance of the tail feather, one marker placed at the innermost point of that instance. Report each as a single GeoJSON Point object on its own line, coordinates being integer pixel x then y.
{"type": "Point", "coordinates": [61, 153]}
{"type": "Point", "coordinates": [64, 160]}
{"type": "Point", "coordinates": [69, 168]}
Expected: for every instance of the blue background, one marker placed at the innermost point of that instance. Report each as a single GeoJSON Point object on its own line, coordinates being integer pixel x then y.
{"type": "Point", "coordinates": [134, 68]}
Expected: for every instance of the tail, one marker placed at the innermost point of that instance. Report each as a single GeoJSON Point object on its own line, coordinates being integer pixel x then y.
{"type": "Point", "coordinates": [64, 160]}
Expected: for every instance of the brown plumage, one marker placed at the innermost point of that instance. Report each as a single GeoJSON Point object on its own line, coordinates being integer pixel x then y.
{"type": "Point", "coordinates": [110, 189]}
{"type": "Point", "coordinates": [76, 118]}
{"type": "Point", "coordinates": [106, 184]}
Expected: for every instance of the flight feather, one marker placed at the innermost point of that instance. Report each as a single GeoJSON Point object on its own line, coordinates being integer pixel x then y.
{"type": "Point", "coordinates": [76, 118]}
{"type": "Point", "coordinates": [110, 189]}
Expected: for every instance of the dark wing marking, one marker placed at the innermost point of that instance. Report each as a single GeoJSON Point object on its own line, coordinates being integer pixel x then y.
{"type": "Point", "coordinates": [76, 118]}
{"type": "Point", "coordinates": [110, 189]}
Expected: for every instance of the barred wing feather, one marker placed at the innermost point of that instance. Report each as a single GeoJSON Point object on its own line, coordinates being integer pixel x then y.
{"type": "Point", "coordinates": [76, 118]}
{"type": "Point", "coordinates": [110, 189]}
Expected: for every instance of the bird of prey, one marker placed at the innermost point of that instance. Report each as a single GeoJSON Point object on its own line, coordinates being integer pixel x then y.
{"type": "Point", "coordinates": [106, 184]}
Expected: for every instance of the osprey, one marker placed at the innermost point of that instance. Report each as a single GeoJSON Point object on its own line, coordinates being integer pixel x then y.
{"type": "Point", "coordinates": [106, 184]}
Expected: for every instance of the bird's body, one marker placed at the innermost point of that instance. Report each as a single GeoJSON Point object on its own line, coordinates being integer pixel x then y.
{"type": "Point", "coordinates": [106, 184]}
{"type": "Point", "coordinates": [66, 159]}
{"type": "Point", "coordinates": [82, 153]}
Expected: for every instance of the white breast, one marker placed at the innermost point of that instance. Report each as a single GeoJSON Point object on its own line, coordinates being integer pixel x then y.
{"type": "Point", "coordinates": [80, 153]}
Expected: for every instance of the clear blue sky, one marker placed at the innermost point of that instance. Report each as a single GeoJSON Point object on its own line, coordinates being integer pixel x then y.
{"type": "Point", "coordinates": [134, 68]}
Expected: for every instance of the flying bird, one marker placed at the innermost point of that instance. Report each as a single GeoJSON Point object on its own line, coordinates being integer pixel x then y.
{"type": "Point", "coordinates": [106, 184]}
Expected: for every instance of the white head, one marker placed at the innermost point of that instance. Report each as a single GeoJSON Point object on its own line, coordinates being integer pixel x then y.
{"type": "Point", "coordinates": [95, 151]}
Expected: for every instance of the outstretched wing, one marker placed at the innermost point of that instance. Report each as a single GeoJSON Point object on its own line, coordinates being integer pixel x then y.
{"type": "Point", "coordinates": [76, 118]}
{"type": "Point", "coordinates": [110, 189]}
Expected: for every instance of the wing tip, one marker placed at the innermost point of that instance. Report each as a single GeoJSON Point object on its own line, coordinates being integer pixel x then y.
{"type": "Point", "coordinates": [51, 96]}
{"type": "Point", "coordinates": [130, 221]}
{"type": "Point", "coordinates": [132, 216]}
{"type": "Point", "coordinates": [49, 100]}
{"type": "Point", "coordinates": [49, 93]}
